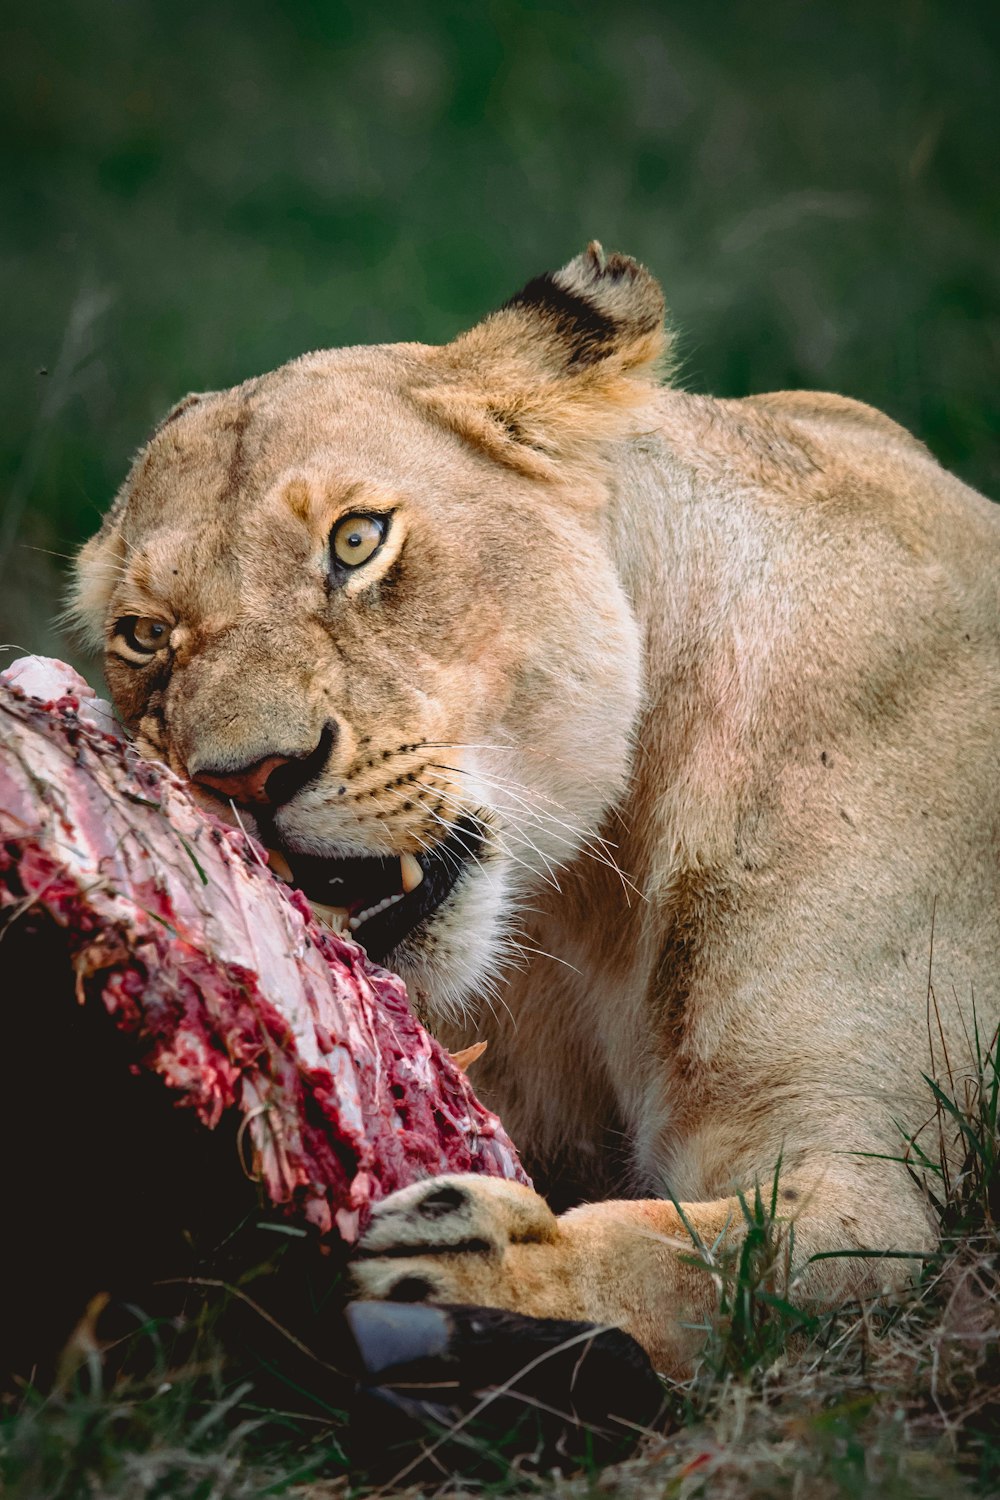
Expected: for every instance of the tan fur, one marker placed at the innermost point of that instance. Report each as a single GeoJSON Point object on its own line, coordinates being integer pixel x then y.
{"type": "Point", "coordinates": [724, 679]}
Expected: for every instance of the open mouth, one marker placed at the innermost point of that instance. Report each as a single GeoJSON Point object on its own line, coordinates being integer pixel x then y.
{"type": "Point", "coordinates": [382, 900]}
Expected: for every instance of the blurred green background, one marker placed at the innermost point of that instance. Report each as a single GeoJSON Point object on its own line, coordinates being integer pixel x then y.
{"type": "Point", "coordinates": [194, 192]}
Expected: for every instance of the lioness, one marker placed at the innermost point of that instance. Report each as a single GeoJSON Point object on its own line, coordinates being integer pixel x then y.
{"type": "Point", "coordinates": [658, 734]}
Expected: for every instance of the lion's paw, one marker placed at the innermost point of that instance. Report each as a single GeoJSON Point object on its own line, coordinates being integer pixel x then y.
{"type": "Point", "coordinates": [454, 1239]}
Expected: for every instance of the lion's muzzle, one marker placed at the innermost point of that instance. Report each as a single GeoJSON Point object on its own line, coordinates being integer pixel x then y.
{"type": "Point", "coordinates": [272, 779]}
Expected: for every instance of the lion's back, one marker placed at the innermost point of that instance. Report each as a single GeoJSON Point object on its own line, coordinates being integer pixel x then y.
{"type": "Point", "coordinates": [825, 466]}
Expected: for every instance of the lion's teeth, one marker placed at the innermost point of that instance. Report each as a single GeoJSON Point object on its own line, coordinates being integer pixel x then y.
{"type": "Point", "coordinates": [373, 911]}
{"type": "Point", "coordinates": [280, 866]}
{"type": "Point", "coordinates": [411, 872]}
{"type": "Point", "coordinates": [336, 917]}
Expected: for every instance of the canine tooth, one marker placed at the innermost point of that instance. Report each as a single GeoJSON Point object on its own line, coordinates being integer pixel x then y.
{"type": "Point", "coordinates": [280, 866]}
{"type": "Point", "coordinates": [335, 917]}
{"type": "Point", "coordinates": [411, 872]}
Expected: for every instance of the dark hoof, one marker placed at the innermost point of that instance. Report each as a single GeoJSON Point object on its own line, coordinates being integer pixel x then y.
{"type": "Point", "coordinates": [472, 1390]}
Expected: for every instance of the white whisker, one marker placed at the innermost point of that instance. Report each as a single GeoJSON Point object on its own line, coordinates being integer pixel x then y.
{"type": "Point", "coordinates": [494, 837]}
{"type": "Point", "coordinates": [542, 953]}
{"type": "Point", "coordinates": [590, 845]}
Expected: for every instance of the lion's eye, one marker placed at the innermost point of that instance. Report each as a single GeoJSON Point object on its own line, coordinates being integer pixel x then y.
{"type": "Point", "coordinates": [357, 538]}
{"type": "Point", "coordinates": [143, 635]}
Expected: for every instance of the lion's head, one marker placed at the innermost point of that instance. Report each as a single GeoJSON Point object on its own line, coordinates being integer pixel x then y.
{"type": "Point", "coordinates": [372, 599]}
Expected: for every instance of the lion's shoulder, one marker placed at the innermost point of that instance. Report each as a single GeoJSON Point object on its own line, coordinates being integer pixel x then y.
{"type": "Point", "coordinates": [801, 446]}
{"type": "Point", "coordinates": [828, 409]}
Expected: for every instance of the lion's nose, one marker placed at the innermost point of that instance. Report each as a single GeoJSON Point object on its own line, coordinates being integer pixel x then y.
{"type": "Point", "coordinates": [272, 779]}
{"type": "Point", "coordinates": [250, 783]}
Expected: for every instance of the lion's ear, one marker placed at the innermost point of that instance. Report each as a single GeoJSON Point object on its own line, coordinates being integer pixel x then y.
{"type": "Point", "coordinates": [562, 365]}
{"type": "Point", "coordinates": [600, 312]}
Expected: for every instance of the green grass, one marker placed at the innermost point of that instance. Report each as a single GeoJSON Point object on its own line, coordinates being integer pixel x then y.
{"type": "Point", "coordinates": [166, 1406]}
{"type": "Point", "coordinates": [895, 1399]}
{"type": "Point", "coordinates": [900, 1398]}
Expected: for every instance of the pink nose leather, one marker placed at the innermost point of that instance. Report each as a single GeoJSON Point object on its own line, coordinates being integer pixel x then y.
{"type": "Point", "coordinates": [245, 786]}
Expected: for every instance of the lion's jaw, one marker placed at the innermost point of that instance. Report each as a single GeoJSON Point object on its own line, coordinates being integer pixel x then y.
{"type": "Point", "coordinates": [467, 696]}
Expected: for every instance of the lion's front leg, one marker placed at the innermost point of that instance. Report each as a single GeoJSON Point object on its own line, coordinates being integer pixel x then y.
{"type": "Point", "coordinates": [633, 1265]}
{"type": "Point", "coordinates": [493, 1243]}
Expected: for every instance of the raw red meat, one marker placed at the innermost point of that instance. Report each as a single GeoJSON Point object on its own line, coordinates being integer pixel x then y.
{"type": "Point", "coordinates": [228, 989]}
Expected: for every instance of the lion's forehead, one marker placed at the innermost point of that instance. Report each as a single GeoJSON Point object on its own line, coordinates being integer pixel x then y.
{"type": "Point", "coordinates": [241, 524]}
{"type": "Point", "coordinates": [239, 441]}
{"type": "Point", "coordinates": [338, 421]}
